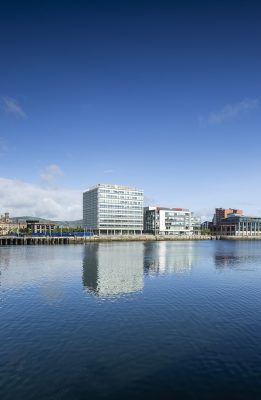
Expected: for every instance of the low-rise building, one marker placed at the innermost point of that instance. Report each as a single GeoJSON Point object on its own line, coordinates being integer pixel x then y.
{"type": "Point", "coordinates": [7, 226]}
{"type": "Point", "coordinates": [206, 225]}
{"type": "Point", "coordinates": [170, 221]}
{"type": "Point", "coordinates": [41, 227]}
{"type": "Point", "coordinates": [196, 224]}
{"type": "Point", "coordinates": [239, 225]}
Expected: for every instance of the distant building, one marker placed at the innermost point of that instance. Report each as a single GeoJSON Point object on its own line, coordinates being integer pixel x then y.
{"type": "Point", "coordinates": [113, 209]}
{"type": "Point", "coordinates": [170, 221]}
{"type": "Point", "coordinates": [7, 226]}
{"type": "Point", "coordinates": [5, 218]}
{"type": "Point", "coordinates": [238, 225]}
{"type": "Point", "coordinates": [196, 224]}
{"type": "Point", "coordinates": [232, 222]}
{"type": "Point", "coordinates": [221, 213]}
{"type": "Point", "coordinates": [206, 225]}
{"type": "Point", "coordinates": [41, 227]}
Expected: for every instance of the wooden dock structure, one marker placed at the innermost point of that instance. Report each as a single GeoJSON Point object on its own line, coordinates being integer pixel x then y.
{"type": "Point", "coordinates": [32, 240]}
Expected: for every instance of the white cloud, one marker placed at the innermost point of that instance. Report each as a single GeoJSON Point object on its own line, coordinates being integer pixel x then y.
{"type": "Point", "coordinates": [51, 174]}
{"type": "Point", "coordinates": [206, 214]}
{"type": "Point", "coordinates": [21, 198]}
{"type": "Point", "coordinates": [231, 111]}
{"type": "Point", "coordinates": [11, 106]}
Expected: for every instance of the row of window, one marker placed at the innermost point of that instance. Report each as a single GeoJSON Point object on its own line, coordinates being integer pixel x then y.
{"type": "Point", "coordinates": [113, 201]}
{"type": "Point", "coordinates": [125, 192]}
{"type": "Point", "coordinates": [134, 227]}
{"type": "Point", "coordinates": [117, 222]}
{"type": "Point", "coordinates": [175, 214]}
{"type": "Point", "coordinates": [118, 196]}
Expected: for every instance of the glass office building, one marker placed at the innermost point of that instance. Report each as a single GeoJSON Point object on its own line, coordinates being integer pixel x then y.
{"type": "Point", "coordinates": [113, 210]}
{"type": "Point", "coordinates": [168, 221]}
{"type": "Point", "coordinates": [238, 225]}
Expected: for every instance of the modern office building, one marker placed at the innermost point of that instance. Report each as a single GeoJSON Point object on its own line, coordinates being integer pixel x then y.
{"type": "Point", "coordinates": [206, 225]}
{"type": "Point", "coordinates": [196, 224]}
{"type": "Point", "coordinates": [221, 213]}
{"type": "Point", "coordinates": [113, 210]}
{"type": "Point", "coordinates": [170, 221]}
{"type": "Point", "coordinates": [238, 225]}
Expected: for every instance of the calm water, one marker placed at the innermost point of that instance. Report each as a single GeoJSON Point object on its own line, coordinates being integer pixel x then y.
{"type": "Point", "coordinates": [131, 321]}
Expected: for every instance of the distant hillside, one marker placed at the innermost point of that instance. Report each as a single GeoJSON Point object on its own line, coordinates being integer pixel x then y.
{"type": "Point", "coordinates": [72, 224]}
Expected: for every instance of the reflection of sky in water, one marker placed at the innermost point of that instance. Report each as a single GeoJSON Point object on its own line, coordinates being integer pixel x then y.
{"type": "Point", "coordinates": [22, 266]}
{"type": "Point", "coordinates": [113, 269]}
{"type": "Point", "coordinates": [184, 334]}
{"type": "Point", "coordinates": [109, 269]}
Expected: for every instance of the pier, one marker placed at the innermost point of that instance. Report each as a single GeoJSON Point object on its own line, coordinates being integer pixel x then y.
{"type": "Point", "coordinates": [31, 240]}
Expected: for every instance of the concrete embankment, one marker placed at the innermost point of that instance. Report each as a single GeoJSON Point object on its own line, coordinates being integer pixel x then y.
{"type": "Point", "coordinates": [240, 237]}
{"type": "Point", "coordinates": [33, 240]}
{"type": "Point", "coordinates": [143, 238]}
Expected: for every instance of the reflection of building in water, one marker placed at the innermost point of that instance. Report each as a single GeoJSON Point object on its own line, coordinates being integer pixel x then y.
{"type": "Point", "coordinates": [168, 257]}
{"type": "Point", "coordinates": [225, 261]}
{"type": "Point", "coordinates": [112, 269]}
{"type": "Point", "coordinates": [237, 255]}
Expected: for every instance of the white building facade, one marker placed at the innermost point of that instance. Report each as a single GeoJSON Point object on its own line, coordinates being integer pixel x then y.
{"type": "Point", "coordinates": [113, 210]}
{"type": "Point", "coordinates": [169, 221]}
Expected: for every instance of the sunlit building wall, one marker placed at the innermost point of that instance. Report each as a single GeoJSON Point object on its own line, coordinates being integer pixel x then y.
{"type": "Point", "coordinates": [113, 209]}
{"type": "Point", "coordinates": [168, 221]}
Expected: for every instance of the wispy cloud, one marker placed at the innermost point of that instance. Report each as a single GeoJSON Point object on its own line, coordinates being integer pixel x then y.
{"type": "Point", "coordinates": [206, 214]}
{"type": "Point", "coordinates": [108, 171]}
{"type": "Point", "coordinates": [51, 174]}
{"type": "Point", "coordinates": [12, 106]}
{"type": "Point", "coordinates": [231, 111]}
{"type": "Point", "coordinates": [22, 198]}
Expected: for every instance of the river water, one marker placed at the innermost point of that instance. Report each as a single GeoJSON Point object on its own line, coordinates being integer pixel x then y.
{"type": "Point", "coordinates": [171, 320]}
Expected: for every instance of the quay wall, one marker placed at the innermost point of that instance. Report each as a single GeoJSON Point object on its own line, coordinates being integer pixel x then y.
{"type": "Point", "coordinates": [33, 240]}
{"type": "Point", "coordinates": [29, 240]}
{"type": "Point", "coordinates": [240, 237]}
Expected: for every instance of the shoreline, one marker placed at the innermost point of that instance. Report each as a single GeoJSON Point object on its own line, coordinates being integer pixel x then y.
{"type": "Point", "coordinates": [57, 240]}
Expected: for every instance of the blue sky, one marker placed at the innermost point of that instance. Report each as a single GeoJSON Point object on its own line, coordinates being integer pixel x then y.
{"type": "Point", "coordinates": [162, 95]}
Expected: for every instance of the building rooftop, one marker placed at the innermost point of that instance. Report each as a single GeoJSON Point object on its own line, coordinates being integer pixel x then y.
{"type": "Point", "coordinates": [110, 186]}
{"type": "Point", "coordinates": [167, 208]}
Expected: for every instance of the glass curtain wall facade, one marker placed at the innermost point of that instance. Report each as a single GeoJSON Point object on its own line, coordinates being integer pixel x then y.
{"type": "Point", "coordinates": [235, 225]}
{"type": "Point", "coordinates": [167, 221]}
{"type": "Point", "coordinates": [113, 209]}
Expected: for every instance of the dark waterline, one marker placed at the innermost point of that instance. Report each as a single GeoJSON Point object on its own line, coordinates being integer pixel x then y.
{"type": "Point", "coordinates": [131, 320]}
